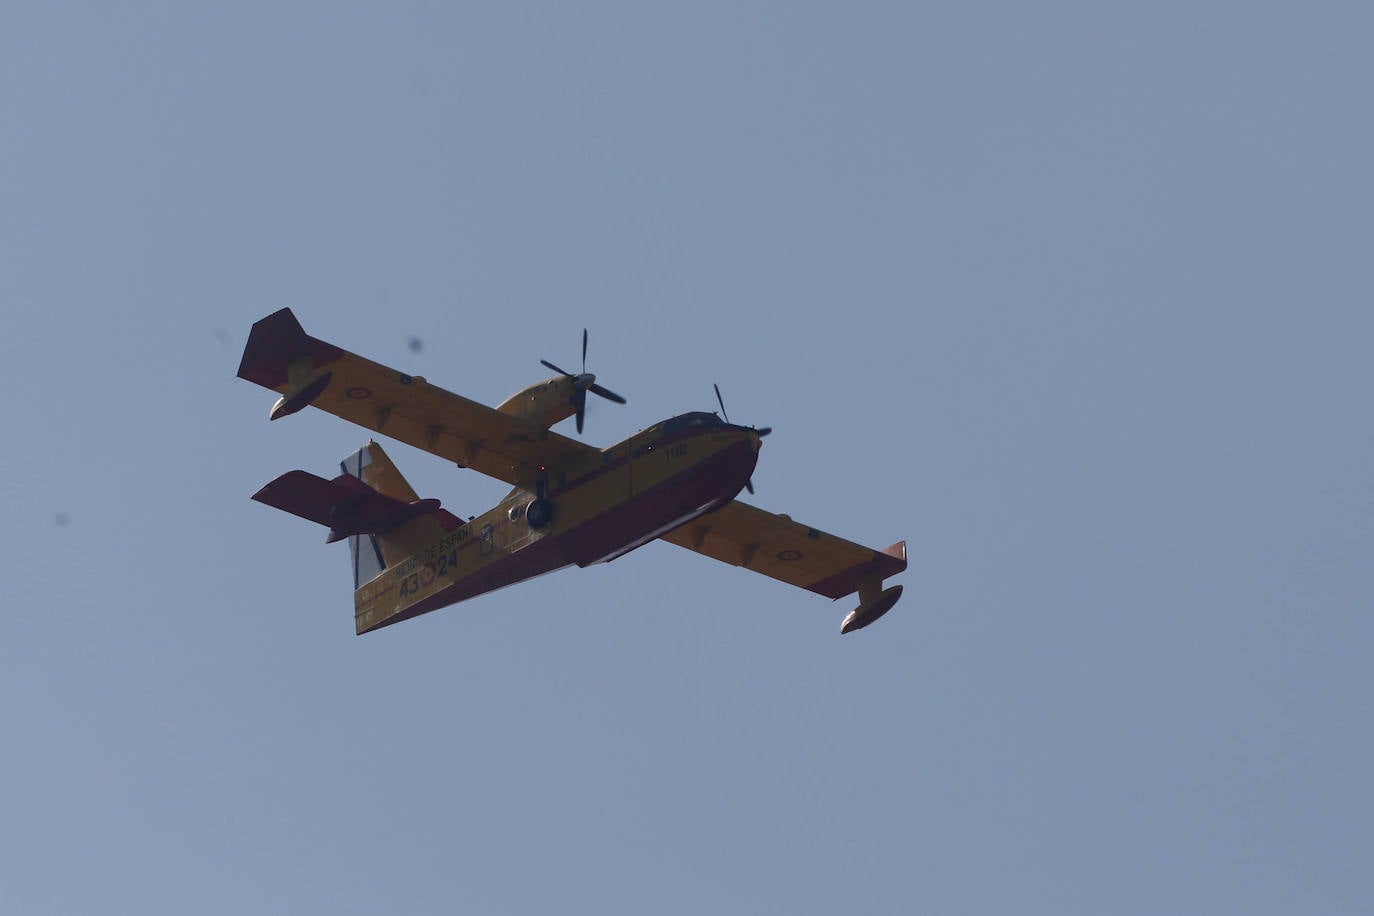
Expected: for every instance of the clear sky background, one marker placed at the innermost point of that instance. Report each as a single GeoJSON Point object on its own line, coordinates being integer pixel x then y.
{"type": "Point", "coordinates": [1077, 298]}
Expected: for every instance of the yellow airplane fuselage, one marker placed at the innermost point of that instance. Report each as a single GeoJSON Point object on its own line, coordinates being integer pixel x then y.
{"type": "Point", "coordinates": [590, 512]}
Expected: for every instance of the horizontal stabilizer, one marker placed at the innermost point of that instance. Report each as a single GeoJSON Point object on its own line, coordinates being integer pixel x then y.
{"type": "Point", "coordinates": [345, 505]}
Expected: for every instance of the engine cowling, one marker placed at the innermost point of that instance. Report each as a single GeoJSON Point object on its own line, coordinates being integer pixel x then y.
{"type": "Point", "coordinates": [544, 403]}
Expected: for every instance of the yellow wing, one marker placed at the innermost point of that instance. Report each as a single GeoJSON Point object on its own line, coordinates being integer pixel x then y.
{"type": "Point", "coordinates": [281, 356]}
{"type": "Point", "coordinates": [776, 546]}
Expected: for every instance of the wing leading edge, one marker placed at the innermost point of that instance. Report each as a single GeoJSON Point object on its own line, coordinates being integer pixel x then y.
{"type": "Point", "coordinates": [308, 371]}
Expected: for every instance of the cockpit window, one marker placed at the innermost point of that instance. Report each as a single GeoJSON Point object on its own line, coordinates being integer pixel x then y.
{"type": "Point", "coordinates": [689, 421]}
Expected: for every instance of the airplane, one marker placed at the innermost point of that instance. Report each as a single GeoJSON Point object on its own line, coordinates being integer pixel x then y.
{"type": "Point", "coordinates": [571, 503]}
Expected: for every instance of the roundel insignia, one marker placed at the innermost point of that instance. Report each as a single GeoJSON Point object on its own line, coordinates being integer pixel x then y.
{"type": "Point", "coordinates": [789, 556]}
{"type": "Point", "coordinates": [427, 574]}
{"type": "Point", "coordinates": [359, 393]}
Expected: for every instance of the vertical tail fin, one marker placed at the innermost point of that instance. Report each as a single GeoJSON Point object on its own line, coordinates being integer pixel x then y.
{"type": "Point", "coordinates": [367, 559]}
{"type": "Point", "coordinates": [373, 553]}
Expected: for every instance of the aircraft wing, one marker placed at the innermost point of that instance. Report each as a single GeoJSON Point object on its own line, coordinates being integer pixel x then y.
{"type": "Point", "coordinates": [305, 370]}
{"type": "Point", "coordinates": [777, 547]}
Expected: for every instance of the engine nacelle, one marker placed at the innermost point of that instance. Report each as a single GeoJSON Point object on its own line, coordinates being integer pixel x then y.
{"type": "Point", "coordinates": [544, 403]}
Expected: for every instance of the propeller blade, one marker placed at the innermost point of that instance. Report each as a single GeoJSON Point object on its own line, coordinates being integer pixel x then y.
{"type": "Point", "coordinates": [607, 394]}
{"type": "Point", "coordinates": [581, 384]}
{"type": "Point", "coordinates": [762, 431]}
{"type": "Point", "coordinates": [749, 485]}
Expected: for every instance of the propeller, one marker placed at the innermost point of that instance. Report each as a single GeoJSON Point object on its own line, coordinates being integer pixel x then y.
{"type": "Point", "coordinates": [761, 431]}
{"type": "Point", "coordinates": [582, 383]}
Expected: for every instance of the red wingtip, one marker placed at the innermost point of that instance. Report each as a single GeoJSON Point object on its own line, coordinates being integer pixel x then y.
{"type": "Point", "coordinates": [274, 343]}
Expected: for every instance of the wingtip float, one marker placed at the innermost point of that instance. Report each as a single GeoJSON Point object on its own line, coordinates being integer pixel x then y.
{"type": "Point", "coordinates": [572, 503]}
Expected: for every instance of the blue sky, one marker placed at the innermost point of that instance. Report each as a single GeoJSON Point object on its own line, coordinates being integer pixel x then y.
{"type": "Point", "coordinates": [1075, 298]}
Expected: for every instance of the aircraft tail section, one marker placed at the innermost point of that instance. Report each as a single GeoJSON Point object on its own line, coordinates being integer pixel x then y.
{"type": "Point", "coordinates": [373, 467]}
{"type": "Point", "coordinates": [374, 552]}
{"type": "Point", "coordinates": [370, 504]}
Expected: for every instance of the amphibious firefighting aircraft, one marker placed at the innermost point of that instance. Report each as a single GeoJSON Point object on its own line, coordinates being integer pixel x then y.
{"type": "Point", "coordinates": [572, 503]}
